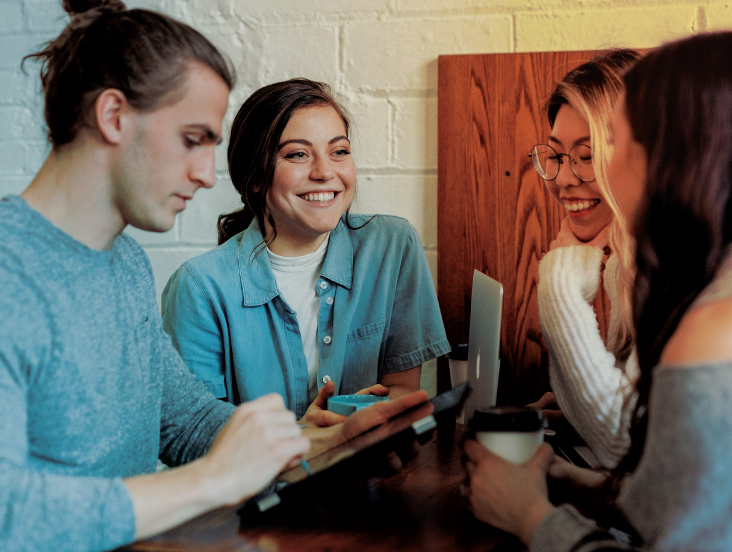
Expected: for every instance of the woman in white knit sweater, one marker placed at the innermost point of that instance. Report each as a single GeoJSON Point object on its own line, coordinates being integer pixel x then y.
{"type": "Point", "coordinates": [590, 377]}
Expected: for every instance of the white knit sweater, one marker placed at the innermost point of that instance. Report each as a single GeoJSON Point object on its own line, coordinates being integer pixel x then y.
{"type": "Point", "coordinates": [589, 383]}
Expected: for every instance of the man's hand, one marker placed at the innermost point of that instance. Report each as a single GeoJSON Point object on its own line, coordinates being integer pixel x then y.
{"type": "Point", "coordinates": [512, 497]}
{"type": "Point", "coordinates": [260, 439]}
{"type": "Point", "coordinates": [318, 415]}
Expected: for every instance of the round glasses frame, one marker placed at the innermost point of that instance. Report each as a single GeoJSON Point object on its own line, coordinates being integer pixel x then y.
{"type": "Point", "coordinates": [547, 161]}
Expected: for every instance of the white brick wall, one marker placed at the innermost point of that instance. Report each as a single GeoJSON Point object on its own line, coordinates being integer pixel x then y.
{"type": "Point", "coordinates": [381, 57]}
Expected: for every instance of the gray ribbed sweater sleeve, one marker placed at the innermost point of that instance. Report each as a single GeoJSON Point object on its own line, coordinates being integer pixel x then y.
{"type": "Point", "coordinates": [680, 497]}
{"type": "Point", "coordinates": [564, 529]}
{"type": "Point", "coordinates": [589, 385]}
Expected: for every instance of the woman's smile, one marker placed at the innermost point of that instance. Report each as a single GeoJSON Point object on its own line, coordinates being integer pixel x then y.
{"type": "Point", "coordinates": [319, 198]}
{"type": "Point", "coordinates": [581, 200]}
{"type": "Point", "coordinates": [579, 207]}
{"type": "Point", "coordinates": [314, 180]}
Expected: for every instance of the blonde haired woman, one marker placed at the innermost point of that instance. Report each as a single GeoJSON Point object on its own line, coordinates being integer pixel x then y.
{"type": "Point", "coordinates": [590, 377]}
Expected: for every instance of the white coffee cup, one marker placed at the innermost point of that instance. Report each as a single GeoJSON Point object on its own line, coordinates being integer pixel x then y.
{"type": "Point", "coordinates": [513, 433]}
{"type": "Point", "coordinates": [457, 358]}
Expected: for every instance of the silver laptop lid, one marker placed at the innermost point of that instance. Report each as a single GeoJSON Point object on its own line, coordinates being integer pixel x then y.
{"type": "Point", "coordinates": [484, 344]}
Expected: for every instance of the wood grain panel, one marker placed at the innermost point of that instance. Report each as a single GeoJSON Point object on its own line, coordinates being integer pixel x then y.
{"type": "Point", "coordinates": [494, 212]}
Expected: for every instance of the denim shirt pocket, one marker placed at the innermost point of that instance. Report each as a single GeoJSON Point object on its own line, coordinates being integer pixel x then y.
{"type": "Point", "coordinates": [361, 364]}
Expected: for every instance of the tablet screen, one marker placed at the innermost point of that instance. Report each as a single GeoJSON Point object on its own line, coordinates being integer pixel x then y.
{"type": "Point", "coordinates": [338, 453]}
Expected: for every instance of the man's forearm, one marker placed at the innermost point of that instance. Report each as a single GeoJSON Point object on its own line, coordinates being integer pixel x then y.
{"type": "Point", "coordinates": [168, 498]}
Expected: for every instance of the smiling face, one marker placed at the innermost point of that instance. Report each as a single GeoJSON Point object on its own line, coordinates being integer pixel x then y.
{"type": "Point", "coordinates": [314, 180]}
{"type": "Point", "coordinates": [170, 153]}
{"type": "Point", "coordinates": [588, 212]}
{"type": "Point", "coordinates": [627, 169]}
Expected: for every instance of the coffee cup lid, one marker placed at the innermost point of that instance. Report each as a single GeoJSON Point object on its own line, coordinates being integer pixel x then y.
{"type": "Point", "coordinates": [506, 418]}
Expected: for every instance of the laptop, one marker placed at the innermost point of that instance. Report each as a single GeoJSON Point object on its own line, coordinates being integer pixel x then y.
{"type": "Point", "coordinates": [484, 365]}
{"type": "Point", "coordinates": [484, 343]}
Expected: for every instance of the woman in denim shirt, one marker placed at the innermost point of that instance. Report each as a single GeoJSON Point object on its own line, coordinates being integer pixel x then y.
{"type": "Point", "coordinates": [301, 297]}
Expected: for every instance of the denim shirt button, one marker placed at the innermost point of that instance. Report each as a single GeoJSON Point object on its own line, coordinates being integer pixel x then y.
{"type": "Point", "coordinates": [329, 300]}
{"type": "Point", "coordinates": [327, 339]}
{"type": "Point", "coordinates": [323, 285]}
{"type": "Point", "coordinates": [326, 379]}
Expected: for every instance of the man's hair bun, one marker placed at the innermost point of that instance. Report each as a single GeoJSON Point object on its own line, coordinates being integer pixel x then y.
{"type": "Point", "coordinates": [142, 53]}
{"type": "Point", "coordinates": [76, 7]}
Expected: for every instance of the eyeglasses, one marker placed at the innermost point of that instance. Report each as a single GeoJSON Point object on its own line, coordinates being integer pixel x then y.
{"type": "Point", "coordinates": [546, 161]}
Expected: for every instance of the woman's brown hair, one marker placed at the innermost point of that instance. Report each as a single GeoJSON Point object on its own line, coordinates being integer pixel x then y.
{"type": "Point", "coordinates": [254, 142]}
{"type": "Point", "coordinates": [679, 106]}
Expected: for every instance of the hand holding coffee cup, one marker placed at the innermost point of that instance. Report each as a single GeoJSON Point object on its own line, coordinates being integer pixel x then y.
{"type": "Point", "coordinates": [513, 433]}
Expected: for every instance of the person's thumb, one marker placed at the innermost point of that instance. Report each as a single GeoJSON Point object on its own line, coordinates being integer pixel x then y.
{"type": "Point", "coordinates": [325, 393]}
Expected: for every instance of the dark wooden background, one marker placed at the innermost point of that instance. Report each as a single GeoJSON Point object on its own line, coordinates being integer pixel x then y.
{"type": "Point", "coordinates": [494, 212]}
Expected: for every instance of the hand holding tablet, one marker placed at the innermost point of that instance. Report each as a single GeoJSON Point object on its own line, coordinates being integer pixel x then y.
{"type": "Point", "coordinates": [319, 414]}
{"type": "Point", "coordinates": [348, 404]}
{"type": "Point", "coordinates": [366, 437]}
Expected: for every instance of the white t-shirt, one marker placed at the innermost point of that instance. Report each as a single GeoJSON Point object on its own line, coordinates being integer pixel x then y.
{"type": "Point", "coordinates": [297, 278]}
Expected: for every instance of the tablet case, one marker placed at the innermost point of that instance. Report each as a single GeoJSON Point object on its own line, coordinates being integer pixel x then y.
{"type": "Point", "coordinates": [354, 459]}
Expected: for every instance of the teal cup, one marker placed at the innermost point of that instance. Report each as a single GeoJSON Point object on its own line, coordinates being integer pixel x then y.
{"type": "Point", "coordinates": [348, 404]}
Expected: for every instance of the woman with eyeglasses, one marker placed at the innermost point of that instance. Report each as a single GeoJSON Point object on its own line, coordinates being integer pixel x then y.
{"type": "Point", "coordinates": [671, 173]}
{"type": "Point", "coordinates": [589, 377]}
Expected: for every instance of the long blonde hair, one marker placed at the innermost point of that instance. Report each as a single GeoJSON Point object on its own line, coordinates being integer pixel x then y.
{"type": "Point", "coordinates": [592, 90]}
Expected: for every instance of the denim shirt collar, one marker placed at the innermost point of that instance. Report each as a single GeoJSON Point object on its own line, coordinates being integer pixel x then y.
{"type": "Point", "coordinates": [258, 283]}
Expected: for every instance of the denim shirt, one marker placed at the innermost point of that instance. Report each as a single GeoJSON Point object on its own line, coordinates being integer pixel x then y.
{"type": "Point", "coordinates": [378, 314]}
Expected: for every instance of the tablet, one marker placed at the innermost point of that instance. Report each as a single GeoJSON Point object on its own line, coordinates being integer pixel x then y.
{"type": "Point", "coordinates": [407, 427]}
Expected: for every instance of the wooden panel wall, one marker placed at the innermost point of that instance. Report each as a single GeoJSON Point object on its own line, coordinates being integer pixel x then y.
{"type": "Point", "coordinates": [494, 212]}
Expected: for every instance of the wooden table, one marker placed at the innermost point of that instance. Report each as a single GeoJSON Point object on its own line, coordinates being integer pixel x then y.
{"type": "Point", "coordinates": [418, 509]}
